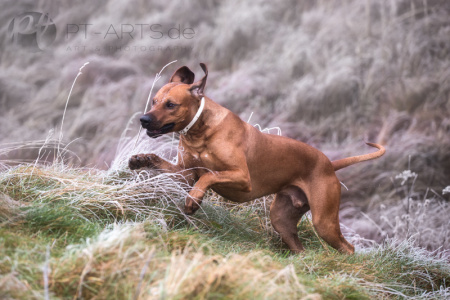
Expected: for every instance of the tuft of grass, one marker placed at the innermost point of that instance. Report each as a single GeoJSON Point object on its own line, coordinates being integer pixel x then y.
{"type": "Point", "coordinates": [146, 269]}
{"type": "Point", "coordinates": [60, 222]}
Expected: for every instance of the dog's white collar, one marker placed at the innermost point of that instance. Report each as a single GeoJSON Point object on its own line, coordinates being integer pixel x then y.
{"type": "Point", "coordinates": [197, 115]}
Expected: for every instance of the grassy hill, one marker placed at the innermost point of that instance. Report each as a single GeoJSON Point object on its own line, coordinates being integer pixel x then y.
{"type": "Point", "coordinates": [329, 73]}
{"type": "Point", "coordinates": [70, 233]}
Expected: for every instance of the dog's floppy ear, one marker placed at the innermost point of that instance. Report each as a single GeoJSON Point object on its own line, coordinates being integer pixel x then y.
{"type": "Point", "coordinates": [198, 87]}
{"type": "Point", "coordinates": [183, 75]}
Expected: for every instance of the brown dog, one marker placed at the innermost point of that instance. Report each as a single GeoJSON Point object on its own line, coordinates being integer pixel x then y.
{"type": "Point", "coordinates": [220, 151]}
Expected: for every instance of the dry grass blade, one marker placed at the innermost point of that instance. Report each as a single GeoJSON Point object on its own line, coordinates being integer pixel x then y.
{"type": "Point", "coordinates": [157, 77]}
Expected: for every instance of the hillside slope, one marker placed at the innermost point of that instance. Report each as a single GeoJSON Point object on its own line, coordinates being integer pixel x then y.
{"type": "Point", "coordinates": [73, 233]}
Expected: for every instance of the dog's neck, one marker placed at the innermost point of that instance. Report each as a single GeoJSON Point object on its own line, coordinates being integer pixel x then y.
{"type": "Point", "coordinates": [209, 122]}
{"type": "Point", "coordinates": [196, 117]}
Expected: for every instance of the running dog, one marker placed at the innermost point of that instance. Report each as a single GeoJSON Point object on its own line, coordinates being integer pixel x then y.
{"type": "Point", "coordinates": [218, 150]}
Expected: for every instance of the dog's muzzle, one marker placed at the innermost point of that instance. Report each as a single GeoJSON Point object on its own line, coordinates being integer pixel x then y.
{"type": "Point", "coordinates": [154, 129]}
{"type": "Point", "coordinates": [146, 120]}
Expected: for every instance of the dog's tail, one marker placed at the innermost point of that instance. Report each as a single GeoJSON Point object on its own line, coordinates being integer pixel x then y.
{"type": "Point", "coordinates": [345, 162]}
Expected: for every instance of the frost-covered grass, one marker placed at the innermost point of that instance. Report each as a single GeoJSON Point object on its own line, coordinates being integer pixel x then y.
{"type": "Point", "coordinates": [419, 215]}
{"type": "Point", "coordinates": [86, 233]}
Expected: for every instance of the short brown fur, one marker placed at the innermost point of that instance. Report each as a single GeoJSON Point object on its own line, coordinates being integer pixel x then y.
{"type": "Point", "coordinates": [239, 162]}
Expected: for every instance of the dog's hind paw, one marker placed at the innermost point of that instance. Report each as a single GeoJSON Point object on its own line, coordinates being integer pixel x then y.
{"type": "Point", "coordinates": [191, 205]}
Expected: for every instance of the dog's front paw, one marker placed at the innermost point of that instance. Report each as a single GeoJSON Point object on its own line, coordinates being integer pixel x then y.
{"type": "Point", "coordinates": [139, 161]}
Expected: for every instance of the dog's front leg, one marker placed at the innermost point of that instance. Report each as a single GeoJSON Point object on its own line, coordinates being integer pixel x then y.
{"type": "Point", "coordinates": [238, 180]}
{"type": "Point", "coordinates": [153, 161]}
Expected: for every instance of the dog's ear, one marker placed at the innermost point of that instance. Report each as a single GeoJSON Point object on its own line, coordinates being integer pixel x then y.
{"type": "Point", "coordinates": [198, 87]}
{"type": "Point", "coordinates": [183, 75]}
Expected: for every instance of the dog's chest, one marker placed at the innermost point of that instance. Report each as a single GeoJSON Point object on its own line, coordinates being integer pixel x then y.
{"type": "Point", "coordinates": [200, 159]}
{"type": "Point", "coordinates": [194, 153]}
{"type": "Point", "coordinates": [203, 161]}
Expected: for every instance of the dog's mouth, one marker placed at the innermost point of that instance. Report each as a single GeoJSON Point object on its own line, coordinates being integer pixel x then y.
{"type": "Point", "coordinates": [154, 133]}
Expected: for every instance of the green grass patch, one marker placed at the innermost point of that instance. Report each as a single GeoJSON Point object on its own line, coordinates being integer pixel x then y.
{"type": "Point", "coordinates": [60, 222]}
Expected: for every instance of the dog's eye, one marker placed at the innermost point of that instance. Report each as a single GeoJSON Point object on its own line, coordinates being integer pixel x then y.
{"type": "Point", "coordinates": [170, 105]}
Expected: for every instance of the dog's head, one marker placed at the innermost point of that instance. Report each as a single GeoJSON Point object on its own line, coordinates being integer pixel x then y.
{"type": "Point", "coordinates": [175, 104]}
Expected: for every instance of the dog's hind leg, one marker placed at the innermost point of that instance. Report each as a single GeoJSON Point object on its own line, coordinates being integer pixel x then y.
{"type": "Point", "coordinates": [287, 209]}
{"type": "Point", "coordinates": [324, 201]}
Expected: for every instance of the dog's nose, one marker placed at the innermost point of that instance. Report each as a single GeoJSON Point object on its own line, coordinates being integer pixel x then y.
{"type": "Point", "coordinates": [145, 120]}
